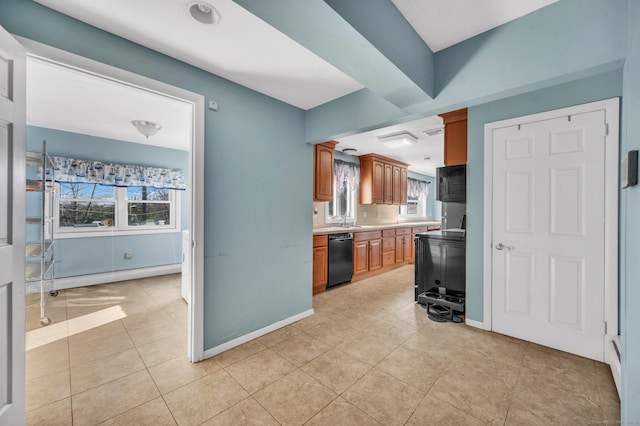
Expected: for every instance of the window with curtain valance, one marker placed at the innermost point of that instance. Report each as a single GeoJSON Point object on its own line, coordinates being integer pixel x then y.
{"type": "Point", "coordinates": [346, 181]}
{"type": "Point", "coordinates": [71, 170]}
{"type": "Point", "coordinates": [417, 188]}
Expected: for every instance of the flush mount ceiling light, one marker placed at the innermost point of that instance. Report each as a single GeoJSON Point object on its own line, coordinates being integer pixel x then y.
{"type": "Point", "coordinates": [147, 128]}
{"type": "Point", "coordinates": [398, 139]}
{"type": "Point", "coordinates": [203, 12]}
{"type": "Point", "coordinates": [433, 132]}
{"type": "Point", "coordinates": [349, 151]}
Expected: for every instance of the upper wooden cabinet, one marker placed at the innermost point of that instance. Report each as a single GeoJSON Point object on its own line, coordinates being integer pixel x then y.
{"type": "Point", "coordinates": [382, 180]}
{"type": "Point", "coordinates": [323, 171]}
{"type": "Point", "coordinates": [455, 137]}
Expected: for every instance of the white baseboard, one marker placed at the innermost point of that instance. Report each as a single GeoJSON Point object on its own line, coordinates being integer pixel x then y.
{"type": "Point", "coordinates": [614, 361]}
{"type": "Point", "coordinates": [109, 277]}
{"type": "Point", "coordinates": [255, 334]}
{"type": "Point", "coordinates": [476, 324]}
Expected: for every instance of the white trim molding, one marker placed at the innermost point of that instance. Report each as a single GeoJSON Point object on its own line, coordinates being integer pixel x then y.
{"type": "Point", "coordinates": [476, 324]}
{"type": "Point", "coordinates": [255, 334]}
{"type": "Point", "coordinates": [611, 108]}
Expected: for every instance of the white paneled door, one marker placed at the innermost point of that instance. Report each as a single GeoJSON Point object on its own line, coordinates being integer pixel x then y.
{"type": "Point", "coordinates": [548, 232]}
{"type": "Point", "coordinates": [12, 187]}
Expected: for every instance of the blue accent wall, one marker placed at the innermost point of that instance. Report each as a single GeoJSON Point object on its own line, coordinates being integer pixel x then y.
{"type": "Point", "coordinates": [83, 256]}
{"type": "Point", "coordinates": [630, 228]}
{"type": "Point", "coordinates": [258, 178]}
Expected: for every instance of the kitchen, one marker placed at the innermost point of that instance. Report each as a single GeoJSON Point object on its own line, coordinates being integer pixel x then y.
{"type": "Point", "coordinates": [403, 216]}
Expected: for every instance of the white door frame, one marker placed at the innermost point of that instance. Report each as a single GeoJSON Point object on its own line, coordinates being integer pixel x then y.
{"type": "Point", "coordinates": [612, 144]}
{"type": "Point", "coordinates": [196, 169]}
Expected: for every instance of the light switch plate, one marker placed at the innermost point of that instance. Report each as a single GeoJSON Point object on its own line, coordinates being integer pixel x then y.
{"type": "Point", "coordinates": [629, 170]}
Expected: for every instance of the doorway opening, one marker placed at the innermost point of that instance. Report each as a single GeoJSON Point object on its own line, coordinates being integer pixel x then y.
{"type": "Point", "coordinates": [103, 121]}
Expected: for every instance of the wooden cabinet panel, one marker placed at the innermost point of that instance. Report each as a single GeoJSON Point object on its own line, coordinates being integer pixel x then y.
{"type": "Point", "coordinates": [360, 257]}
{"type": "Point", "coordinates": [388, 233]}
{"type": "Point", "coordinates": [388, 184]}
{"type": "Point", "coordinates": [455, 137]}
{"type": "Point", "coordinates": [396, 186]}
{"type": "Point", "coordinates": [323, 171]}
{"type": "Point", "coordinates": [375, 254]}
{"type": "Point", "coordinates": [406, 248]}
{"type": "Point", "coordinates": [403, 231]}
{"type": "Point", "coordinates": [377, 192]}
{"type": "Point", "coordinates": [388, 258]}
{"type": "Point", "coordinates": [399, 248]}
{"type": "Point", "coordinates": [404, 176]}
{"type": "Point", "coordinates": [382, 180]}
{"type": "Point", "coordinates": [320, 269]}
{"type": "Point", "coordinates": [388, 244]}
{"type": "Point", "coordinates": [320, 263]}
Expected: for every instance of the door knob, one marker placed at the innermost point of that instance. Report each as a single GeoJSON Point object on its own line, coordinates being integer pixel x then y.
{"type": "Point", "coordinates": [501, 246]}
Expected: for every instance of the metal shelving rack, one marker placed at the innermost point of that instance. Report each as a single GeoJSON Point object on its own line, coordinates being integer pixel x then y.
{"type": "Point", "coordinates": [39, 250]}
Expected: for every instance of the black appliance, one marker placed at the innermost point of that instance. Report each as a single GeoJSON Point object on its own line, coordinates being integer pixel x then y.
{"type": "Point", "coordinates": [440, 270]}
{"type": "Point", "coordinates": [340, 258]}
{"type": "Point", "coordinates": [452, 184]}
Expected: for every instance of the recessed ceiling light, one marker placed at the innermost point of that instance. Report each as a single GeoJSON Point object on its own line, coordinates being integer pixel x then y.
{"type": "Point", "coordinates": [203, 12]}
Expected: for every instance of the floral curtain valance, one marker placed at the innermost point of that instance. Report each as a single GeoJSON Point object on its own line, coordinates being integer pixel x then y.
{"type": "Point", "coordinates": [87, 171]}
{"type": "Point", "coordinates": [417, 188]}
{"type": "Point", "coordinates": [347, 172]}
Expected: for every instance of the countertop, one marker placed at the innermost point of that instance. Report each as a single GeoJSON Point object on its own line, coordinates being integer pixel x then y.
{"type": "Point", "coordinates": [365, 228]}
{"type": "Point", "coordinates": [448, 234]}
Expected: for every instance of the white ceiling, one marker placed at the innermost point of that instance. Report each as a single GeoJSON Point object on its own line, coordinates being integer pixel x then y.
{"type": "Point", "coordinates": [443, 23]}
{"type": "Point", "coordinates": [71, 100]}
{"type": "Point", "coordinates": [241, 48]}
{"type": "Point", "coordinates": [427, 146]}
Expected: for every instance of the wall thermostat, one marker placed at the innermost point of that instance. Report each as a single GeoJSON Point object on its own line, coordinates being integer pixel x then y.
{"type": "Point", "coordinates": [629, 172]}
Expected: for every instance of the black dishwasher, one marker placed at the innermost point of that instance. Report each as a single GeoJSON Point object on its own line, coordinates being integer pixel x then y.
{"type": "Point", "coordinates": [340, 258]}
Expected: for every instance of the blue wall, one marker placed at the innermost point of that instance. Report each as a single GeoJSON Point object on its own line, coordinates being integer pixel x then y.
{"type": "Point", "coordinates": [258, 178]}
{"type": "Point", "coordinates": [630, 228]}
{"type": "Point", "coordinates": [433, 206]}
{"type": "Point", "coordinates": [81, 256]}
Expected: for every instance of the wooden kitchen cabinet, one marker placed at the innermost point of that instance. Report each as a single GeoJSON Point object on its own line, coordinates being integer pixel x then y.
{"type": "Point", "coordinates": [323, 171]}
{"type": "Point", "coordinates": [382, 180]}
{"type": "Point", "coordinates": [320, 263]}
{"type": "Point", "coordinates": [388, 247]}
{"type": "Point", "coordinates": [367, 251]}
{"type": "Point", "coordinates": [403, 244]}
{"type": "Point", "coordinates": [455, 137]}
{"type": "Point", "coordinates": [404, 176]}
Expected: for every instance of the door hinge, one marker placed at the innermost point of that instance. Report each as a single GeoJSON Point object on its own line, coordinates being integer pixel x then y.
{"type": "Point", "coordinates": [606, 327]}
{"type": "Point", "coordinates": [606, 129]}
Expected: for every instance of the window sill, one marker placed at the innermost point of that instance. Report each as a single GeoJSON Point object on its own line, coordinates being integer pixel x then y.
{"type": "Point", "coordinates": [61, 235]}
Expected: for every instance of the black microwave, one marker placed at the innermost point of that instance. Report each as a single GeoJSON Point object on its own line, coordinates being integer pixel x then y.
{"type": "Point", "coordinates": [452, 184]}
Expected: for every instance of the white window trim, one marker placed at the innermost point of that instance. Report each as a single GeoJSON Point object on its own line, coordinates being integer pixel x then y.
{"type": "Point", "coordinates": [353, 197]}
{"type": "Point", "coordinates": [423, 206]}
{"type": "Point", "coordinates": [121, 226]}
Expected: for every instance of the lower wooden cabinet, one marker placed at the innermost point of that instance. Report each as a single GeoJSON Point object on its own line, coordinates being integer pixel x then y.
{"type": "Point", "coordinates": [367, 252]}
{"type": "Point", "coordinates": [320, 263]}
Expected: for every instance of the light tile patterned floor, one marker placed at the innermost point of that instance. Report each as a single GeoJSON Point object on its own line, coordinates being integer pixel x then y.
{"type": "Point", "coordinates": [115, 355]}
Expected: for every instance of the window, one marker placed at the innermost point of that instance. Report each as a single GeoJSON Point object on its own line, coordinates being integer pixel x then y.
{"type": "Point", "coordinates": [86, 205]}
{"type": "Point", "coordinates": [90, 209]}
{"type": "Point", "coordinates": [343, 205]}
{"type": "Point", "coordinates": [415, 208]}
{"type": "Point", "coordinates": [148, 206]}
